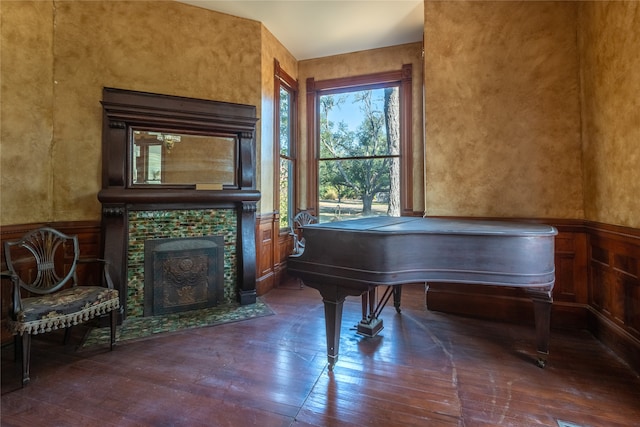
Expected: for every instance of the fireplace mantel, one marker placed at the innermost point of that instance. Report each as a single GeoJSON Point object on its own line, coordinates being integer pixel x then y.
{"type": "Point", "coordinates": [218, 139]}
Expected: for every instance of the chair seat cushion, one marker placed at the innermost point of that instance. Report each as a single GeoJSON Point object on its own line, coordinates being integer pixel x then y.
{"type": "Point", "coordinates": [63, 309]}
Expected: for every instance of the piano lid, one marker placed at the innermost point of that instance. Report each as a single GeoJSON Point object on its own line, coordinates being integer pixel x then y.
{"type": "Point", "coordinates": [415, 225]}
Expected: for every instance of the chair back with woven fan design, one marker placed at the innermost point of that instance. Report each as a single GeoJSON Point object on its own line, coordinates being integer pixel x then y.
{"type": "Point", "coordinates": [45, 245]}
{"type": "Point", "coordinates": [302, 218]}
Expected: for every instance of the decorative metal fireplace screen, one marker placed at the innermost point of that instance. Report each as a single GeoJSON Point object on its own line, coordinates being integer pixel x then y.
{"type": "Point", "coordinates": [182, 274]}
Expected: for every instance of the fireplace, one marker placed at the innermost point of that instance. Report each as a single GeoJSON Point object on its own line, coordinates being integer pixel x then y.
{"type": "Point", "coordinates": [183, 274]}
{"type": "Point", "coordinates": [178, 168]}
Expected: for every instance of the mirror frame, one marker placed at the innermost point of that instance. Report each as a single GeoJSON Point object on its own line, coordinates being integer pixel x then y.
{"type": "Point", "coordinates": [124, 110]}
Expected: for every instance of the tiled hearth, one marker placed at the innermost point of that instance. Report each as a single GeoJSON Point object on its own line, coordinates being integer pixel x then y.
{"type": "Point", "coordinates": [158, 224]}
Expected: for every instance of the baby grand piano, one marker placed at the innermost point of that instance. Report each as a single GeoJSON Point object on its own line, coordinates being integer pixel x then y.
{"type": "Point", "coordinates": [354, 257]}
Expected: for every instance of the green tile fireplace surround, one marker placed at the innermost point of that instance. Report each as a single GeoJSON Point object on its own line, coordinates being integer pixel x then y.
{"type": "Point", "coordinates": [159, 224]}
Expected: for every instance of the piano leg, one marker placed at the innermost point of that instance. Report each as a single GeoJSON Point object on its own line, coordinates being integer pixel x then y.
{"type": "Point", "coordinates": [333, 298]}
{"type": "Point", "coordinates": [397, 294]}
{"type": "Point", "coordinates": [542, 301]}
{"type": "Point", "coordinates": [333, 319]}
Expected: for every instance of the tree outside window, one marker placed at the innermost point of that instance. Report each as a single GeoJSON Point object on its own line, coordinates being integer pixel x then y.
{"type": "Point", "coordinates": [359, 152]}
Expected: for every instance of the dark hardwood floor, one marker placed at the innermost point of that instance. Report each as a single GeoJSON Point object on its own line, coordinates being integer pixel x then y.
{"type": "Point", "coordinates": [425, 369]}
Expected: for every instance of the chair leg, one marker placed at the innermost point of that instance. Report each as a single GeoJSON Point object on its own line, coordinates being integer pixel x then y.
{"type": "Point", "coordinates": [26, 358]}
{"type": "Point", "coordinates": [113, 315]}
{"type": "Point", "coordinates": [17, 347]}
{"type": "Point", "coordinates": [67, 335]}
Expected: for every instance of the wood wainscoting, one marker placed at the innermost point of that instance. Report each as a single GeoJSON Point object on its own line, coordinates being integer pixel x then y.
{"type": "Point", "coordinates": [597, 279]}
{"type": "Point", "coordinates": [273, 246]}
{"type": "Point", "coordinates": [272, 249]}
{"type": "Point", "coordinates": [614, 288]}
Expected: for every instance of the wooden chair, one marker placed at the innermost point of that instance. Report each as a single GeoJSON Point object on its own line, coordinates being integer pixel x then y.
{"type": "Point", "coordinates": [42, 265]}
{"type": "Point", "coordinates": [301, 218]}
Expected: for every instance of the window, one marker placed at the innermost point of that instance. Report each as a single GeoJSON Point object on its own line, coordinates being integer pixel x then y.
{"type": "Point", "coordinates": [362, 135]}
{"type": "Point", "coordinates": [286, 89]}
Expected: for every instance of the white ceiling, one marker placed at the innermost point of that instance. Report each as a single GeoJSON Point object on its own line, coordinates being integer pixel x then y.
{"type": "Point", "coordinates": [316, 28]}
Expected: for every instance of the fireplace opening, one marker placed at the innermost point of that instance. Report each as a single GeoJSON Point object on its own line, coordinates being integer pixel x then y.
{"type": "Point", "coordinates": [182, 274]}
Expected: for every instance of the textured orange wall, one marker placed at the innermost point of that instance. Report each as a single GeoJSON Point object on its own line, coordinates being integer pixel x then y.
{"type": "Point", "coordinates": [501, 82]}
{"type": "Point", "coordinates": [26, 112]}
{"type": "Point", "coordinates": [502, 109]}
{"type": "Point", "coordinates": [367, 62]}
{"type": "Point", "coordinates": [610, 52]}
{"type": "Point", "coordinates": [56, 58]}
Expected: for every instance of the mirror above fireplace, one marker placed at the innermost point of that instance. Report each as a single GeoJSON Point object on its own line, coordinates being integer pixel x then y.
{"type": "Point", "coordinates": [181, 159]}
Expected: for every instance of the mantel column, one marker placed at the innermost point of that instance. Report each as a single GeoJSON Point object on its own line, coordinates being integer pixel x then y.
{"type": "Point", "coordinates": [247, 250]}
{"type": "Point", "coordinates": [114, 233]}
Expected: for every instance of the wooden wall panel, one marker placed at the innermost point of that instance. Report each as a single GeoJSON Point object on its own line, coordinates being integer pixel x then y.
{"type": "Point", "coordinates": [614, 288]}
{"type": "Point", "coordinates": [614, 267]}
{"type": "Point", "coordinates": [265, 242]}
{"type": "Point", "coordinates": [597, 279]}
{"type": "Point", "coordinates": [570, 267]}
{"type": "Point", "coordinates": [273, 247]}
{"type": "Point", "coordinates": [264, 254]}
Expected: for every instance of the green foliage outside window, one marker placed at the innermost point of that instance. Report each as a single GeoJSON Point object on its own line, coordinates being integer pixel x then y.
{"type": "Point", "coordinates": [359, 151]}
{"type": "Point", "coordinates": [286, 162]}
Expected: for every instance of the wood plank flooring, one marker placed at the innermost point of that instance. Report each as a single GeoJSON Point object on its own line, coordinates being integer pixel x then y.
{"type": "Point", "coordinates": [425, 369]}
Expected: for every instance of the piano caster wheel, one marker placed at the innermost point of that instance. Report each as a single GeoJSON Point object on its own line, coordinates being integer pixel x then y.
{"type": "Point", "coordinates": [331, 362]}
{"type": "Point", "coordinates": [541, 362]}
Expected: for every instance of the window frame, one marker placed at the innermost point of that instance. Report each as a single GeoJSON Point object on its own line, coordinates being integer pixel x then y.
{"type": "Point", "coordinates": [316, 88]}
{"type": "Point", "coordinates": [282, 80]}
